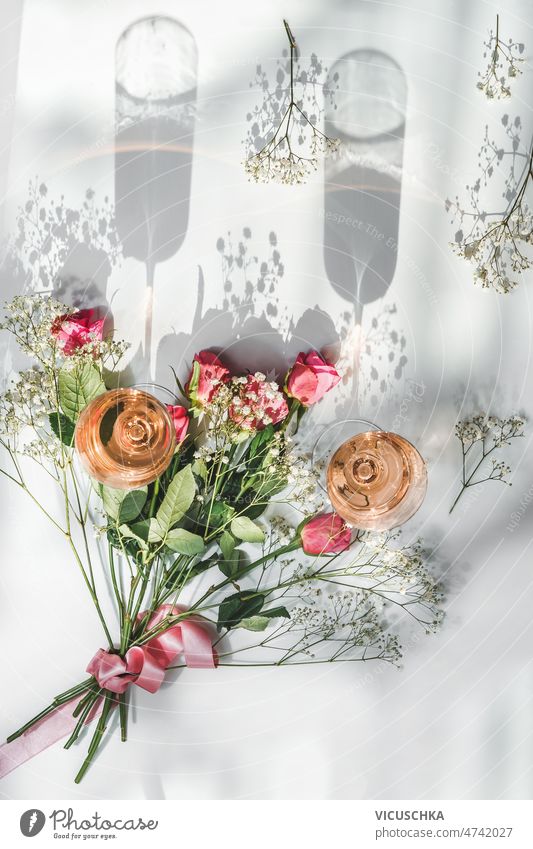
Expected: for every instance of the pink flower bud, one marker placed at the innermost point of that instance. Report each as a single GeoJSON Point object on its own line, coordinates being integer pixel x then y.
{"type": "Point", "coordinates": [78, 329]}
{"type": "Point", "coordinates": [310, 378]}
{"type": "Point", "coordinates": [180, 418]}
{"type": "Point", "coordinates": [206, 376]}
{"type": "Point", "coordinates": [325, 534]}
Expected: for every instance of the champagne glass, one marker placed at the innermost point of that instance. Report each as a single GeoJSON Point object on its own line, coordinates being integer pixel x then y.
{"type": "Point", "coordinates": [375, 480]}
{"type": "Point", "coordinates": [362, 187]}
{"type": "Point", "coordinates": [125, 438]}
{"type": "Point", "coordinates": [156, 63]}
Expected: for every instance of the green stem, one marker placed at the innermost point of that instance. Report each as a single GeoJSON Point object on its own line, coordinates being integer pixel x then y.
{"type": "Point", "coordinates": [97, 737]}
{"type": "Point", "coordinates": [154, 498]}
{"type": "Point", "coordinates": [123, 713]}
{"type": "Point", "coordinates": [118, 594]}
{"type": "Point", "coordinates": [172, 620]}
{"type": "Point", "coordinates": [89, 702]}
{"type": "Point", "coordinates": [59, 700]}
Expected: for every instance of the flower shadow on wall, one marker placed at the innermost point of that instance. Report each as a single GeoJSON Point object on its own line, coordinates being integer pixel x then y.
{"type": "Point", "coordinates": [66, 251]}
{"type": "Point", "coordinates": [256, 330]}
{"type": "Point", "coordinates": [252, 325]}
{"type": "Point", "coordinates": [71, 251]}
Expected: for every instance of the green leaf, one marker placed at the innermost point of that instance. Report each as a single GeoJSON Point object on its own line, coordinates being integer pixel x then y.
{"type": "Point", "coordinates": [259, 623]}
{"type": "Point", "coordinates": [254, 623]}
{"type": "Point", "coordinates": [241, 605]}
{"type": "Point", "coordinates": [276, 613]}
{"type": "Point", "coordinates": [260, 441]}
{"type": "Point", "coordinates": [221, 514]}
{"type": "Point", "coordinates": [147, 530]}
{"type": "Point", "coordinates": [230, 565]}
{"type": "Point", "coordinates": [178, 498]}
{"type": "Point", "coordinates": [227, 545]}
{"type": "Point", "coordinates": [129, 533]}
{"type": "Point", "coordinates": [155, 531]}
{"type": "Point", "coordinates": [184, 542]}
{"type": "Point", "coordinates": [123, 505]}
{"type": "Point", "coordinates": [192, 389]}
{"type": "Point", "coordinates": [200, 469]}
{"type": "Point", "coordinates": [78, 387]}
{"type": "Point", "coordinates": [231, 568]}
{"type": "Point", "coordinates": [243, 528]}
{"type": "Point", "coordinates": [62, 427]}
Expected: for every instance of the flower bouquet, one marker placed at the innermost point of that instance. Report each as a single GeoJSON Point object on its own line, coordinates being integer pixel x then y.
{"type": "Point", "coordinates": [226, 557]}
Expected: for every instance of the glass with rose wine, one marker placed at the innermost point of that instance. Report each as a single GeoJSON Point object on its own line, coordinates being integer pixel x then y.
{"type": "Point", "coordinates": [125, 438]}
{"type": "Point", "coordinates": [376, 480]}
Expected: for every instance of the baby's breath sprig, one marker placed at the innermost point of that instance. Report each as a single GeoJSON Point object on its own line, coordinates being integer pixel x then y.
{"type": "Point", "coordinates": [498, 243]}
{"type": "Point", "coordinates": [480, 436]}
{"type": "Point", "coordinates": [347, 609]}
{"type": "Point", "coordinates": [278, 160]}
{"type": "Point", "coordinates": [504, 65]}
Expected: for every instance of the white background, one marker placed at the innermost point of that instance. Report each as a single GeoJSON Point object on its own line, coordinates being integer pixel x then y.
{"type": "Point", "coordinates": [455, 722]}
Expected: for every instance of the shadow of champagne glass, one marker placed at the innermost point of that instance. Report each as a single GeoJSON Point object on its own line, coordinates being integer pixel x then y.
{"type": "Point", "coordinates": [362, 188]}
{"type": "Point", "coordinates": [156, 61]}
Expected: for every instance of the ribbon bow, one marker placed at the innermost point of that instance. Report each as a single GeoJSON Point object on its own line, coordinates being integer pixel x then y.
{"type": "Point", "coordinates": [142, 665]}
{"type": "Point", "coordinates": [146, 665]}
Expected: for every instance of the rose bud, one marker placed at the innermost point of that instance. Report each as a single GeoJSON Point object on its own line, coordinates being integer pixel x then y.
{"type": "Point", "coordinates": [76, 330]}
{"type": "Point", "coordinates": [310, 378]}
{"type": "Point", "coordinates": [325, 534]}
{"type": "Point", "coordinates": [206, 376]}
{"type": "Point", "coordinates": [180, 418]}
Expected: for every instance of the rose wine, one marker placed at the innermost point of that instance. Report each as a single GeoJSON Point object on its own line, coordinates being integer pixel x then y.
{"type": "Point", "coordinates": [125, 438]}
{"type": "Point", "coordinates": [376, 480]}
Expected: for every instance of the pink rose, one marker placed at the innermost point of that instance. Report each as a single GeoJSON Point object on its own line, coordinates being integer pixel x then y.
{"type": "Point", "coordinates": [78, 329]}
{"type": "Point", "coordinates": [310, 378]}
{"type": "Point", "coordinates": [180, 417]}
{"type": "Point", "coordinates": [258, 404]}
{"type": "Point", "coordinates": [206, 376]}
{"type": "Point", "coordinates": [325, 534]}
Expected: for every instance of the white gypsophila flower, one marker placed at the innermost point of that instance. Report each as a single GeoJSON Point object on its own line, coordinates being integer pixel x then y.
{"type": "Point", "coordinates": [480, 436]}
{"type": "Point", "coordinates": [504, 58]}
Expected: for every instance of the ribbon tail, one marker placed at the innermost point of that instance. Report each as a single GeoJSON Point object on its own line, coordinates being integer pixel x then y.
{"type": "Point", "coordinates": [197, 646]}
{"type": "Point", "coordinates": [43, 734]}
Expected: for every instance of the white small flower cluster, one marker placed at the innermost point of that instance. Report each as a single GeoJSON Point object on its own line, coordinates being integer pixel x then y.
{"type": "Point", "coordinates": [254, 399]}
{"type": "Point", "coordinates": [281, 531]}
{"type": "Point", "coordinates": [324, 145]}
{"type": "Point", "coordinates": [302, 480]}
{"type": "Point", "coordinates": [278, 162]}
{"type": "Point", "coordinates": [498, 243]}
{"type": "Point", "coordinates": [27, 403]}
{"type": "Point", "coordinates": [24, 416]}
{"type": "Point", "coordinates": [501, 252]}
{"type": "Point", "coordinates": [480, 426]}
{"type": "Point", "coordinates": [488, 433]}
{"type": "Point", "coordinates": [499, 470]}
{"type": "Point", "coordinates": [342, 625]}
{"type": "Point", "coordinates": [504, 65]}
{"type": "Point", "coordinates": [32, 396]}
{"type": "Point", "coordinates": [276, 166]}
{"type": "Point", "coordinates": [30, 320]}
{"type": "Point", "coordinates": [471, 430]}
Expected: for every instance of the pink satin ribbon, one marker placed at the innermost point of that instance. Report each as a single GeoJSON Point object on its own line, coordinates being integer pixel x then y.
{"type": "Point", "coordinates": [143, 665]}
